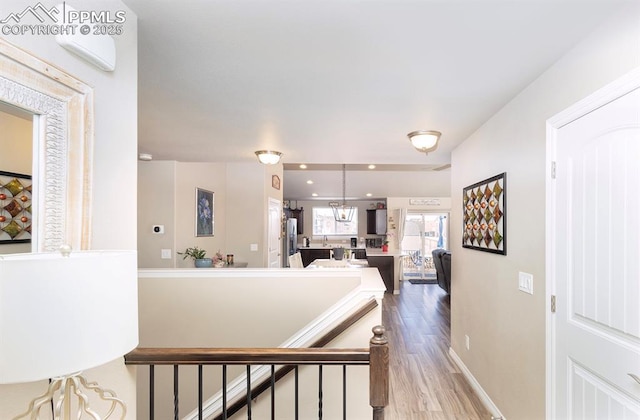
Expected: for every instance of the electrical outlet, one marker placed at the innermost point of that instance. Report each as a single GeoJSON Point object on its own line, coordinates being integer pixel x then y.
{"type": "Point", "coordinates": [525, 282]}
{"type": "Point", "coordinates": [165, 254]}
{"type": "Point", "coordinates": [466, 342]}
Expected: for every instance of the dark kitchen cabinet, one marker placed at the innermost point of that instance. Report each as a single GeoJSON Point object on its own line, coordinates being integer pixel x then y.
{"type": "Point", "coordinates": [377, 222]}
{"type": "Point", "coordinates": [310, 254]}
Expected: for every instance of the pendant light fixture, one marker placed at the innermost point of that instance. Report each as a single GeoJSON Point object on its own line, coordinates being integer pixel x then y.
{"type": "Point", "coordinates": [342, 212]}
{"type": "Point", "coordinates": [424, 141]}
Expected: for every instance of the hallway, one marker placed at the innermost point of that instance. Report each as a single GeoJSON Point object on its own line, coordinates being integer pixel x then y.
{"type": "Point", "coordinates": [424, 383]}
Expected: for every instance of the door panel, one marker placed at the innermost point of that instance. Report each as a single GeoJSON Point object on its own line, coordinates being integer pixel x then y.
{"type": "Point", "coordinates": [597, 262]}
{"type": "Point", "coordinates": [274, 234]}
{"type": "Point", "coordinates": [594, 398]}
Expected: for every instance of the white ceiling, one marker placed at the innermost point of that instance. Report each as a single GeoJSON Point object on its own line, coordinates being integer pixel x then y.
{"type": "Point", "coordinates": [340, 81]}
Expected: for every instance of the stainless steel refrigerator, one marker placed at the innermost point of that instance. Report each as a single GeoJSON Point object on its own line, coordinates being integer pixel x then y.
{"type": "Point", "coordinates": [290, 240]}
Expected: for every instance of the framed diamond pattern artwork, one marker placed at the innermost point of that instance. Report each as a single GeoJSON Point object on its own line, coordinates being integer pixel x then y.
{"type": "Point", "coordinates": [484, 214]}
{"type": "Point", "coordinates": [15, 208]}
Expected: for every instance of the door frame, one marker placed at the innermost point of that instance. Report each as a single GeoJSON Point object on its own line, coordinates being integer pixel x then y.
{"type": "Point", "coordinates": [446, 231]}
{"type": "Point", "coordinates": [601, 97]}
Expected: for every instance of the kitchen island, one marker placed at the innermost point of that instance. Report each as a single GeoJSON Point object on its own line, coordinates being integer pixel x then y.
{"type": "Point", "coordinates": [387, 263]}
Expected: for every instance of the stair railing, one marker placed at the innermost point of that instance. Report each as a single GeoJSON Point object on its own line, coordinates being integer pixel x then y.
{"type": "Point", "coordinates": [376, 357]}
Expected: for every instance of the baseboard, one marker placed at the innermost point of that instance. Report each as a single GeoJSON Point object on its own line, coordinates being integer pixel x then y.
{"type": "Point", "coordinates": [484, 397]}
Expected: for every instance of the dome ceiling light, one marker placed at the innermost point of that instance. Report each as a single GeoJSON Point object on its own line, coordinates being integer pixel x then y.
{"type": "Point", "coordinates": [268, 157]}
{"type": "Point", "coordinates": [424, 141]}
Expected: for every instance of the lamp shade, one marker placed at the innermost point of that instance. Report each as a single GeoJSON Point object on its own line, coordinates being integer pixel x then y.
{"type": "Point", "coordinates": [268, 157]}
{"type": "Point", "coordinates": [64, 314]}
{"type": "Point", "coordinates": [424, 140]}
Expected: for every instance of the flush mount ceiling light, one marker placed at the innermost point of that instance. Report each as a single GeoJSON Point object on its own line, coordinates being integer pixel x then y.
{"type": "Point", "coordinates": [342, 212]}
{"type": "Point", "coordinates": [268, 157]}
{"type": "Point", "coordinates": [424, 141]}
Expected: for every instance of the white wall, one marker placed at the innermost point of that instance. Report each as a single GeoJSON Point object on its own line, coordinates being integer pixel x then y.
{"type": "Point", "coordinates": [211, 177]}
{"type": "Point", "coordinates": [507, 327]}
{"type": "Point", "coordinates": [156, 206]}
{"type": "Point", "coordinates": [167, 197]}
{"type": "Point", "coordinates": [248, 191]}
{"type": "Point", "coordinates": [114, 175]}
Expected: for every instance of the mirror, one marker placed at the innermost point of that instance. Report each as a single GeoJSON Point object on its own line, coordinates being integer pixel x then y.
{"type": "Point", "coordinates": [16, 152]}
{"type": "Point", "coordinates": [62, 107]}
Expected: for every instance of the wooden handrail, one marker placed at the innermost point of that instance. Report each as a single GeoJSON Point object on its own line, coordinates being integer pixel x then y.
{"type": "Point", "coordinates": [247, 356]}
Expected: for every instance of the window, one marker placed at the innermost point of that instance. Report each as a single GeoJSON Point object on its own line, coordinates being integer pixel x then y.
{"type": "Point", "coordinates": [325, 224]}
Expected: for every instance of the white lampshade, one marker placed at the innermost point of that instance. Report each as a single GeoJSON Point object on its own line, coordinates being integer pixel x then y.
{"type": "Point", "coordinates": [268, 157]}
{"type": "Point", "coordinates": [64, 314]}
{"type": "Point", "coordinates": [424, 141]}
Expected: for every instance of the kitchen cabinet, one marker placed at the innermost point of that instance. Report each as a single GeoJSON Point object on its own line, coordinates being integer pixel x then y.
{"type": "Point", "coordinates": [377, 222]}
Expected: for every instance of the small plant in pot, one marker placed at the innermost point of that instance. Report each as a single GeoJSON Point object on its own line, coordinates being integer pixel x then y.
{"type": "Point", "coordinates": [198, 256]}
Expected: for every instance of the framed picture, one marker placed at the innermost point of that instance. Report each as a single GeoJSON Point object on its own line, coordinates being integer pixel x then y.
{"type": "Point", "coordinates": [275, 182]}
{"type": "Point", "coordinates": [16, 212]}
{"type": "Point", "coordinates": [204, 212]}
{"type": "Point", "coordinates": [484, 214]}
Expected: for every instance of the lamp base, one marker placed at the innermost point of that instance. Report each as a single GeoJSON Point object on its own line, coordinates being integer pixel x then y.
{"type": "Point", "coordinates": [61, 405]}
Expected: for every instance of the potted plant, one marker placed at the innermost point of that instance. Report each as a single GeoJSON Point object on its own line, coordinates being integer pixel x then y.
{"type": "Point", "coordinates": [198, 256]}
{"type": "Point", "coordinates": [385, 245]}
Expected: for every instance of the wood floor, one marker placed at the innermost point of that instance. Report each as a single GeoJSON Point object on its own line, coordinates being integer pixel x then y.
{"type": "Point", "coordinates": [424, 381]}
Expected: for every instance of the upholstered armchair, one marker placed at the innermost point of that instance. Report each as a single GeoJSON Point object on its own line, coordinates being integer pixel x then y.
{"type": "Point", "coordinates": [442, 262]}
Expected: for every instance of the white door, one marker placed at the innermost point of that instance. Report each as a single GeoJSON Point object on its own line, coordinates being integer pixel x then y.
{"type": "Point", "coordinates": [274, 234]}
{"type": "Point", "coordinates": [593, 256]}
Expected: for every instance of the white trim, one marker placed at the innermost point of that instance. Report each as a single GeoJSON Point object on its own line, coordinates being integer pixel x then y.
{"type": "Point", "coordinates": [609, 93]}
{"type": "Point", "coordinates": [484, 397]}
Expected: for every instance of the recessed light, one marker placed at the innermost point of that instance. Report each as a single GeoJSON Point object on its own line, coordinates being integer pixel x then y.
{"type": "Point", "coordinates": [314, 195]}
{"type": "Point", "coordinates": [369, 194]}
{"type": "Point", "coordinates": [372, 166]}
{"type": "Point", "coordinates": [309, 182]}
{"type": "Point", "coordinates": [303, 166]}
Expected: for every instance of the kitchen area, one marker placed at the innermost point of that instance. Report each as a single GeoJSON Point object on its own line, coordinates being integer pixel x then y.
{"type": "Point", "coordinates": [312, 229]}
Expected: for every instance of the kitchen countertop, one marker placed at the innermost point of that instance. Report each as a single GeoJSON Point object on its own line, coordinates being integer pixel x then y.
{"type": "Point", "coordinates": [371, 252]}
{"type": "Point", "coordinates": [329, 263]}
{"type": "Point", "coordinates": [332, 246]}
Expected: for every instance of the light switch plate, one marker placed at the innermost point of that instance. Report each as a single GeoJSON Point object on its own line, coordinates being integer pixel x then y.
{"type": "Point", "coordinates": [254, 247]}
{"type": "Point", "coordinates": [525, 282]}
